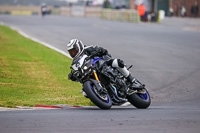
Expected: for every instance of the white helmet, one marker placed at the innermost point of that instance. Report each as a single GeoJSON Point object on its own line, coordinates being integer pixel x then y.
{"type": "Point", "coordinates": [75, 48]}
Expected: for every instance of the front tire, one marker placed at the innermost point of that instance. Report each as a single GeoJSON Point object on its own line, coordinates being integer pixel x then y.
{"type": "Point", "coordinates": [103, 101]}
{"type": "Point", "coordinates": [140, 100]}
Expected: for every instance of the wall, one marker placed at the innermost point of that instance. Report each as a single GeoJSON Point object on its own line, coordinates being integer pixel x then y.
{"type": "Point", "coordinates": [20, 9]}
{"type": "Point", "coordinates": [30, 10]}
{"type": "Point", "coordinates": [121, 15]}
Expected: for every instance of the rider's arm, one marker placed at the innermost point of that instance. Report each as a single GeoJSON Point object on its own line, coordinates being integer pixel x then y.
{"type": "Point", "coordinates": [92, 49]}
{"type": "Point", "coordinates": [71, 77]}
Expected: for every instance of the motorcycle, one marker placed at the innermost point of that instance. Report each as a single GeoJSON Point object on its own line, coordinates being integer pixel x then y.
{"type": "Point", "coordinates": [106, 86]}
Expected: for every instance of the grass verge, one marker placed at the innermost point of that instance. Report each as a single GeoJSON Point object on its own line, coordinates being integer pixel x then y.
{"type": "Point", "coordinates": [31, 74]}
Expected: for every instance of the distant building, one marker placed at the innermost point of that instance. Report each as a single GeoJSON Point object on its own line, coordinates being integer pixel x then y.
{"type": "Point", "coordinates": [192, 6]}
{"type": "Point", "coordinates": [189, 5]}
{"type": "Point", "coordinates": [120, 4]}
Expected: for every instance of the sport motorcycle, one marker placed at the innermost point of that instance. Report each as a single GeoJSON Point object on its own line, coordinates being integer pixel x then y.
{"type": "Point", "coordinates": [106, 86]}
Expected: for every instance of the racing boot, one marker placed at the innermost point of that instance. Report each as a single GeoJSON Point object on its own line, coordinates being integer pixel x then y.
{"type": "Point", "coordinates": [84, 94]}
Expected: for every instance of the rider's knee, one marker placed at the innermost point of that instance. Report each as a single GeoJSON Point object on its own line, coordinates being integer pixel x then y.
{"type": "Point", "coordinates": [116, 63]}
{"type": "Point", "coordinates": [120, 63]}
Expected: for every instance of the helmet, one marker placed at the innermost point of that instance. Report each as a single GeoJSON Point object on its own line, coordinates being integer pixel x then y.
{"type": "Point", "coordinates": [75, 48]}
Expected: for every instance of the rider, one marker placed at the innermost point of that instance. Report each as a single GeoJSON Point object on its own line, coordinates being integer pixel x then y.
{"type": "Point", "coordinates": [76, 48]}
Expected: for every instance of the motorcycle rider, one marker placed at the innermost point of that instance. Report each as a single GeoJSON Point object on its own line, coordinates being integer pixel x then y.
{"type": "Point", "coordinates": [76, 48]}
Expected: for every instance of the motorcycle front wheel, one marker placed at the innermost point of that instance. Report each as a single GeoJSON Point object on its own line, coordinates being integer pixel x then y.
{"type": "Point", "coordinates": [100, 99]}
{"type": "Point", "coordinates": [140, 100]}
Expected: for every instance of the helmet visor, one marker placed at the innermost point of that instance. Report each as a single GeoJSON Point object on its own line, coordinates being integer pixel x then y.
{"type": "Point", "coordinates": [73, 52]}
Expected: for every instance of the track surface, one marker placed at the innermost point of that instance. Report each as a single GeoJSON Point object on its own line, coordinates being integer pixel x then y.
{"type": "Point", "coordinates": [164, 56]}
{"type": "Point", "coordinates": [166, 119]}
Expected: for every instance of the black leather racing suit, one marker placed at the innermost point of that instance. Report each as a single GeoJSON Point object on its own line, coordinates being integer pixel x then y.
{"type": "Point", "coordinates": [116, 63]}
{"type": "Point", "coordinates": [88, 50]}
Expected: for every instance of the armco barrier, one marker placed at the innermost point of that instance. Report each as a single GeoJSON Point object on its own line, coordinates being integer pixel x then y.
{"type": "Point", "coordinates": [121, 15]}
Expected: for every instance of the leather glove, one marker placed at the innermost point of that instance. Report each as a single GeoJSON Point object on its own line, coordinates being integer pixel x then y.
{"type": "Point", "coordinates": [71, 77]}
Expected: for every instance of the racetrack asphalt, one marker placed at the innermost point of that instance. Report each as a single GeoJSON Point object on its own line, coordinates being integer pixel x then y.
{"type": "Point", "coordinates": [164, 56]}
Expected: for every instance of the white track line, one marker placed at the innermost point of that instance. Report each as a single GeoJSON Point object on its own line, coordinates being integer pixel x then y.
{"type": "Point", "coordinates": [36, 40]}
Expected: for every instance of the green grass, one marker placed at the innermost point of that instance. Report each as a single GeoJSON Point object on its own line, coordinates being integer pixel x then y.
{"type": "Point", "coordinates": [32, 74]}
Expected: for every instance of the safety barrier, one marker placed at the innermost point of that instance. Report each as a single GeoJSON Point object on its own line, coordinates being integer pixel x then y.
{"type": "Point", "coordinates": [18, 12]}
{"type": "Point", "coordinates": [121, 15]}
{"type": "Point", "coordinates": [109, 14]}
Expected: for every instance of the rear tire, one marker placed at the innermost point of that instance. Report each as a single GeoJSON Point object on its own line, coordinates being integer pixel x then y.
{"type": "Point", "coordinates": [140, 101]}
{"type": "Point", "coordinates": [103, 102]}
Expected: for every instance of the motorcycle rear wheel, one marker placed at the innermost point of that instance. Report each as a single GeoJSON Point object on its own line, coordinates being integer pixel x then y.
{"type": "Point", "coordinates": [103, 101]}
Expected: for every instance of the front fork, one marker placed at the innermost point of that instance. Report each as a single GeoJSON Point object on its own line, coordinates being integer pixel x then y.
{"type": "Point", "coordinates": [95, 74]}
{"type": "Point", "coordinates": [98, 81]}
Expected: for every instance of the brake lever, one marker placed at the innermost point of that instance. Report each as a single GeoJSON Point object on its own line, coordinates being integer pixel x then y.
{"type": "Point", "coordinates": [130, 67]}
